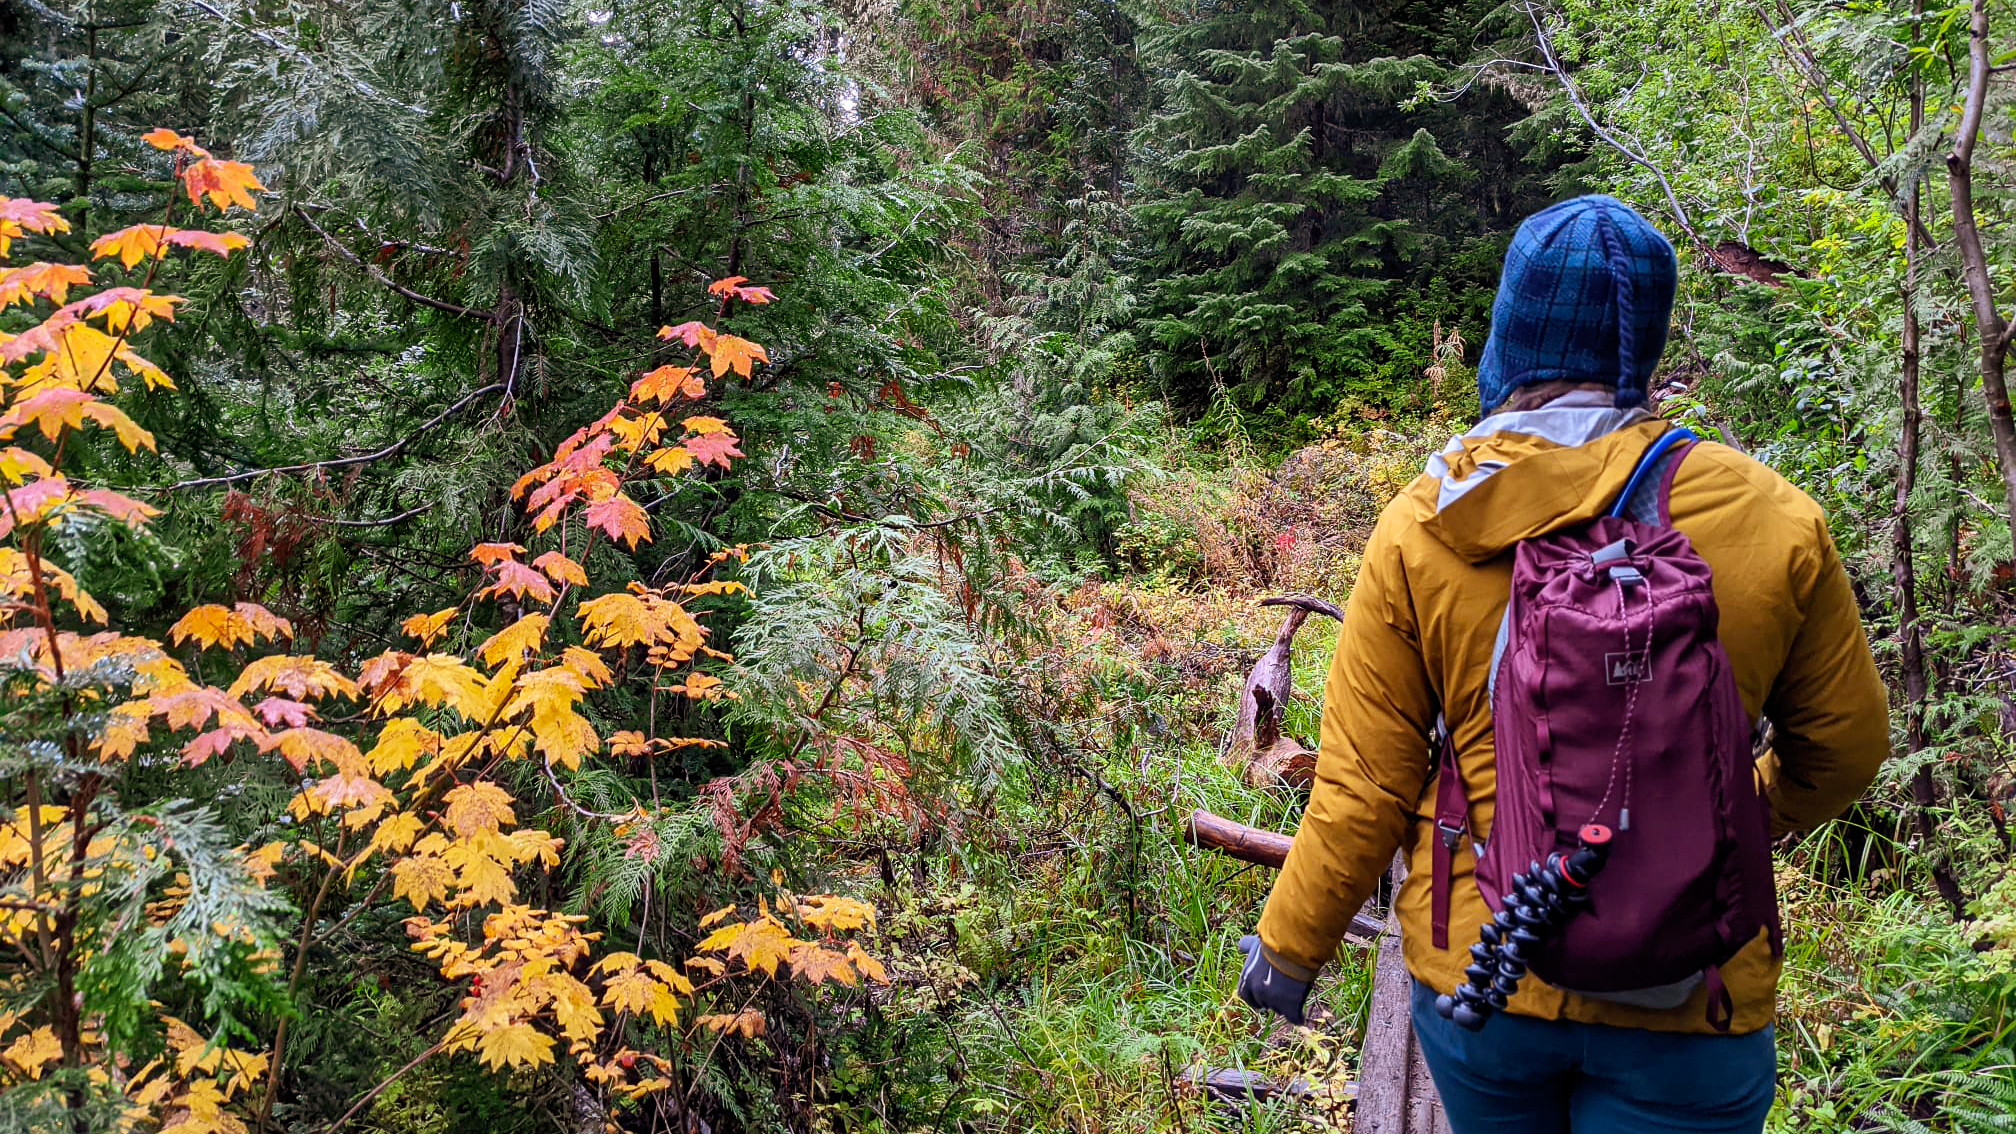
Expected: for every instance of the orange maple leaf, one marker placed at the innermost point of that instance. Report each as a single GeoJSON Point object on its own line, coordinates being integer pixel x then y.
{"type": "Point", "coordinates": [747, 1022]}
{"type": "Point", "coordinates": [60, 408]}
{"type": "Point", "coordinates": [662, 384]}
{"type": "Point", "coordinates": [226, 183]}
{"type": "Point", "coordinates": [276, 711]}
{"type": "Point", "coordinates": [514, 578]}
{"type": "Point", "coordinates": [41, 280]}
{"type": "Point", "coordinates": [242, 624]}
{"type": "Point", "coordinates": [739, 355]}
{"type": "Point", "coordinates": [490, 553]}
{"type": "Point", "coordinates": [162, 138]}
{"type": "Point", "coordinates": [693, 333]}
{"type": "Point", "coordinates": [713, 448]}
{"type": "Point", "coordinates": [621, 518]}
{"type": "Point", "coordinates": [222, 243]}
{"type": "Point", "coordinates": [125, 308]}
{"type": "Point", "coordinates": [561, 569]}
{"type": "Point", "coordinates": [298, 676]}
{"type": "Point", "coordinates": [732, 286]}
{"type": "Point", "coordinates": [19, 215]}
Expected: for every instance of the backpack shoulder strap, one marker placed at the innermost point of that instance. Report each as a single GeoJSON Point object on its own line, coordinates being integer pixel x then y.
{"type": "Point", "coordinates": [1452, 817]}
{"type": "Point", "coordinates": [1653, 472]}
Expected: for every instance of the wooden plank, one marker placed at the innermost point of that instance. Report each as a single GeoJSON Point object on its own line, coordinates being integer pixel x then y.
{"type": "Point", "coordinates": [1395, 1093]}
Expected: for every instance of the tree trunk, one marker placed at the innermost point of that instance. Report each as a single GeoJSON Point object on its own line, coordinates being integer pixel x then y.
{"type": "Point", "coordinates": [1903, 557]}
{"type": "Point", "coordinates": [1988, 321]}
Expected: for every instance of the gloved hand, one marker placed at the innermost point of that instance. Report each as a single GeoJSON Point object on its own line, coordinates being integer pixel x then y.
{"type": "Point", "coordinates": [1268, 988]}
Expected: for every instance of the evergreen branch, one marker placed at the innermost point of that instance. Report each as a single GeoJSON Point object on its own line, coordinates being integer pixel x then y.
{"type": "Point", "coordinates": [372, 270]}
{"type": "Point", "coordinates": [388, 520]}
{"type": "Point", "coordinates": [391, 450]}
{"type": "Point", "coordinates": [36, 134]}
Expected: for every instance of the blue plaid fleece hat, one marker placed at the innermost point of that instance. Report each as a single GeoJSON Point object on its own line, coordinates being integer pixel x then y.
{"type": "Point", "coordinates": [1586, 297]}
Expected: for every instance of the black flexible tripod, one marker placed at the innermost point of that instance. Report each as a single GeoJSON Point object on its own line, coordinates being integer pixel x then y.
{"type": "Point", "coordinates": [1542, 899]}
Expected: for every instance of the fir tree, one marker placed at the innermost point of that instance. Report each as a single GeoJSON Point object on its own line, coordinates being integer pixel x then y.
{"type": "Point", "coordinates": [1291, 205]}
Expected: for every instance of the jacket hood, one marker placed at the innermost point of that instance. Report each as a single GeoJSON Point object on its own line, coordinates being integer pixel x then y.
{"type": "Point", "coordinates": [1520, 475]}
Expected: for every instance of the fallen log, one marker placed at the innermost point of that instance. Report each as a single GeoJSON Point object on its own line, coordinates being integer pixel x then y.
{"type": "Point", "coordinates": [1247, 844]}
{"type": "Point", "coordinates": [1260, 847]}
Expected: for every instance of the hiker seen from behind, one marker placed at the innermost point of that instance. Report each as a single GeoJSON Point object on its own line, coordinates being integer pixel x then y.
{"type": "Point", "coordinates": [1565, 639]}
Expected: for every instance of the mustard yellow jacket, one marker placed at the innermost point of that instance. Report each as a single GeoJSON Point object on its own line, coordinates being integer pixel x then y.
{"type": "Point", "coordinates": [1418, 634]}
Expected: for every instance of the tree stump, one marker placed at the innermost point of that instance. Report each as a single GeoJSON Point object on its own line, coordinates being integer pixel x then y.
{"type": "Point", "coordinates": [1257, 745]}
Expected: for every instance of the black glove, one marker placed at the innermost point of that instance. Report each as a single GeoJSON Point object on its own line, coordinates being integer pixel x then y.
{"type": "Point", "coordinates": [1268, 988]}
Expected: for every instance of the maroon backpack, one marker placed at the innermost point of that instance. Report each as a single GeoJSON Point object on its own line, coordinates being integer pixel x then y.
{"type": "Point", "coordinates": [1613, 703]}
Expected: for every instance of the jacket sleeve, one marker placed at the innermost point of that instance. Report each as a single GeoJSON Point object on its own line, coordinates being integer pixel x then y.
{"type": "Point", "coordinates": [1377, 709]}
{"type": "Point", "coordinates": [1829, 706]}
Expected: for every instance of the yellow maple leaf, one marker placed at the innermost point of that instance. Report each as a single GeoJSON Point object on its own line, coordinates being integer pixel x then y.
{"type": "Point", "coordinates": [16, 465]}
{"type": "Point", "coordinates": [521, 636]}
{"type": "Point", "coordinates": [422, 879]}
{"type": "Point", "coordinates": [835, 914]}
{"type": "Point", "coordinates": [132, 244]}
{"type": "Point", "coordinates": [34, 1051]}
{"type": "Point", "coordinates": [760, 944]}
{"type": "Point", "coordinates": [618, 619]}
{"type": "Point", "coordinates": [670, 461]}
{"type": "Point", "coordinates": [628, 988]}
{"type": "Point", "coordinates": [716, 916]}
{"type": "Point", "coordinates": [514, 1045]}
{"type": "Point", "coordinates": [394, 833]}
{"type": "Point", "coordinates": [428, 627]}
{"type": "Point", "coordinates": [480, 877]}
{"type": "Point", "coordinates": [588, 666]}
{"type": "Point", "coordinates": [479, 806]}
{"type": "Point", "coordinates": [401, 744]}
{"type": "Point", "coordinates": [440, 679]}
{"type": "Point", "coordinates": [573, 1005]}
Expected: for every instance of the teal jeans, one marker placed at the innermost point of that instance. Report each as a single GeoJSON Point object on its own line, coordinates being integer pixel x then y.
{"type": "Point", "coordinates": [1521, 1075]}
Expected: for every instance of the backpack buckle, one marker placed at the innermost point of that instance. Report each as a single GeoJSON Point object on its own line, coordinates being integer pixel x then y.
{"type": "Point", "coordinates": [1451, 836]}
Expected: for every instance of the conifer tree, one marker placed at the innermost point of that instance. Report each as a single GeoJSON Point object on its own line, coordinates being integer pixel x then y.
{"type": "Point", "coordinates": [1291, 205]}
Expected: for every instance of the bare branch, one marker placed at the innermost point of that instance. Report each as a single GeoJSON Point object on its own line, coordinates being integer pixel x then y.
{"type": "Point", "coordinates": [391, 450]}
{"type": "Point", "coordinates": [1807, 63]}
{"type": "Point", "coordinates": [1575, 98]}
{"type": "Point", "coordinates": [382, 278]}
